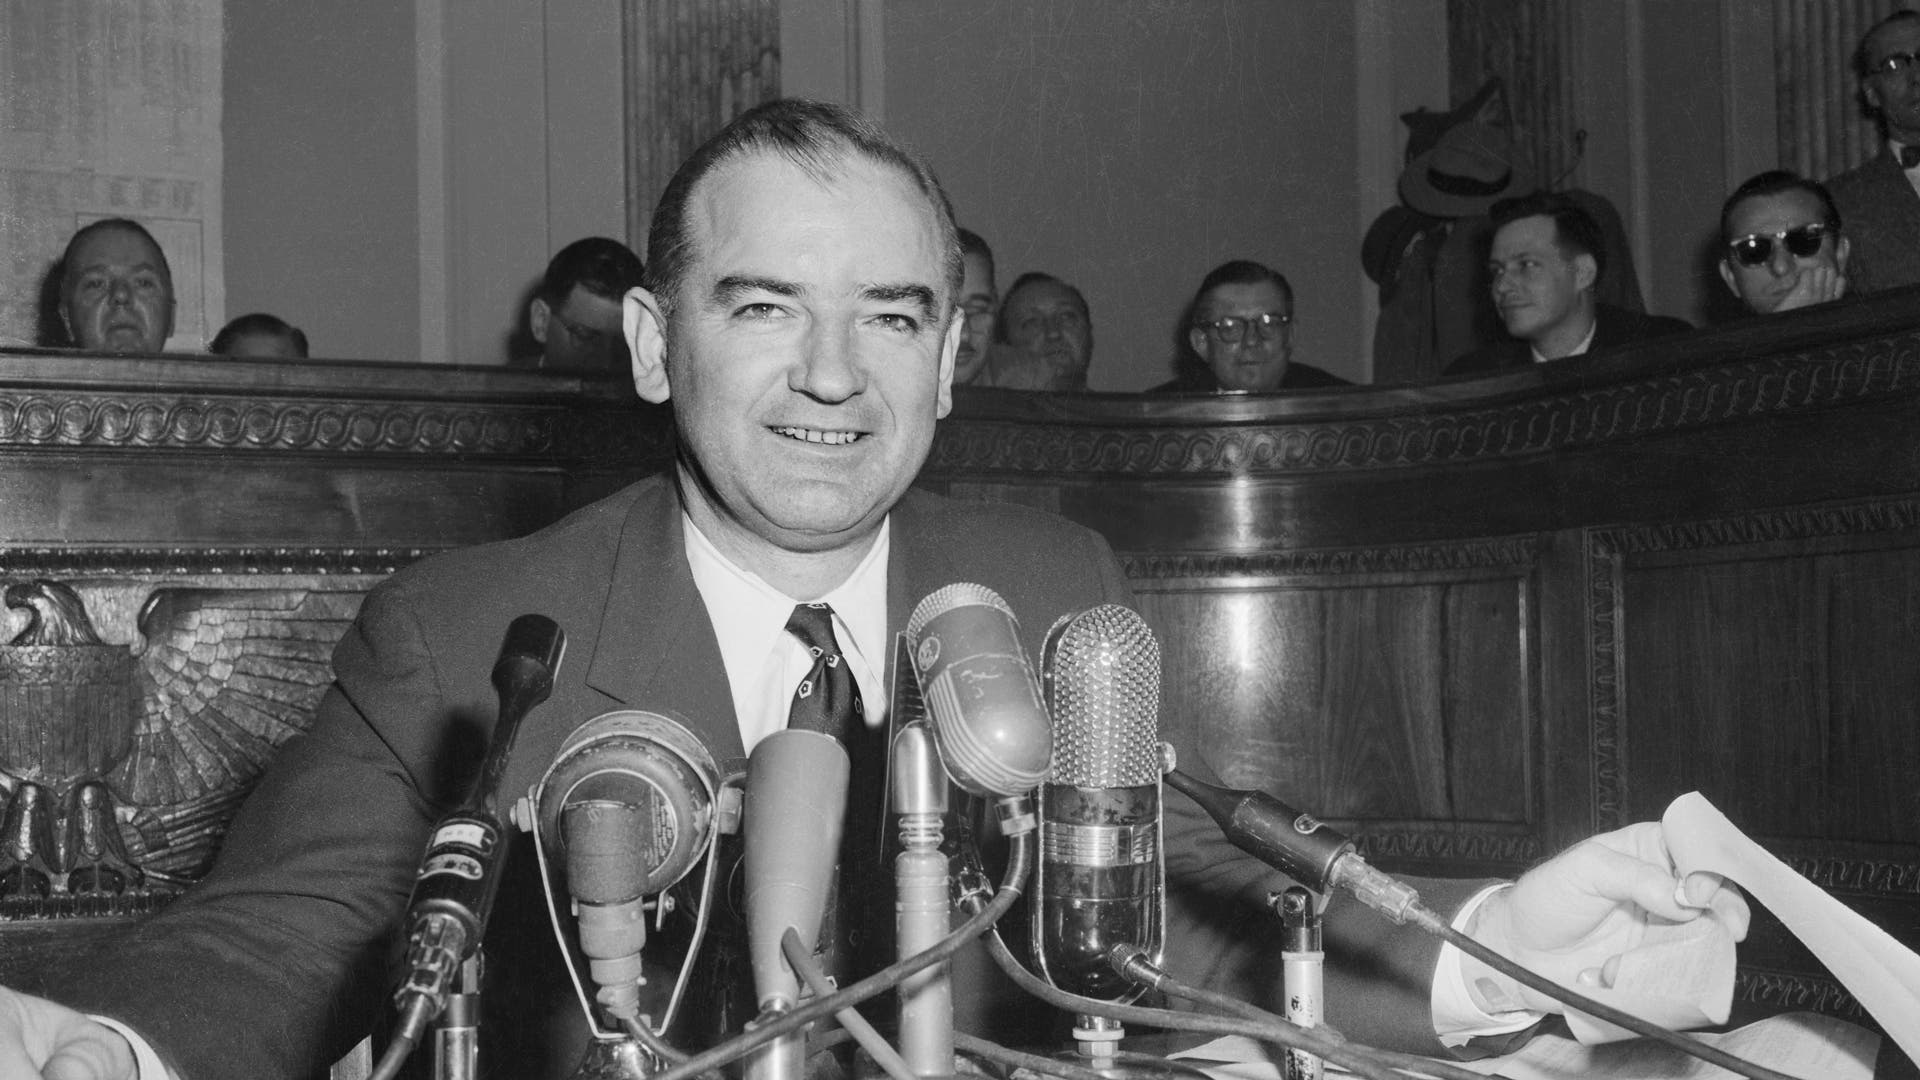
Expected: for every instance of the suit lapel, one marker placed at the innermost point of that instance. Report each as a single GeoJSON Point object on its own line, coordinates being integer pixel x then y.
{"type": "Point", "coordinates": [656, 649]}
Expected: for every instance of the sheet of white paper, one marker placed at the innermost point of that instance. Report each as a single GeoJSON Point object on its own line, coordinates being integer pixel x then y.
{"type": "Point", "coordinates": [1881, 973]}
{"type": "Point", "coordinates": [1680, 976]}
{"type": "Point", "coordinates": [1798, 1044]}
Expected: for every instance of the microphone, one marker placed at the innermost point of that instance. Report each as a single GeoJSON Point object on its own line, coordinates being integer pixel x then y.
{"type": "Point", "coordinates": [630, 800]}
{"type": "Point", "coordinates": [988, 723]}
{"type": "Point", "coordinates": [1299, 845]}
{"type": "Point", "coordinates": [454, 892]}
{"type": "Point", "coordinates": [1101, 878]}
{"type": "Point", "coordinates": [794, 814]}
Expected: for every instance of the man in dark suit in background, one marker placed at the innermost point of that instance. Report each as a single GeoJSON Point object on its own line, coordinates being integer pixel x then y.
{"type": "Point", "coordinates": [800, 317]}
{"type": "Point", "coordinates": [1879, 201]}
{"type": "Point", "coordinates": [1543, 265]}
{"type": "Point", "coordinates": [1239, 336]}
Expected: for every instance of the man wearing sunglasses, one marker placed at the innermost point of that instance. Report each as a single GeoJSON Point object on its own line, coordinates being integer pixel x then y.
{"type": "Point", "coordinates": [1239, 336]}
{"type": "Point", "coordinates": [1542, 268]}
{"type": "Point", "coordinates": [1880, 200]}
{"type": "Point", "coordinates": [1783, 246]}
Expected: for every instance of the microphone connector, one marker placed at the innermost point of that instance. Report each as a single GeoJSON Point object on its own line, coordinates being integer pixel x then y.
{"type": "Point", "coordinates": [1380, 891]}
{"type": "Point", "coordinates": [434, 951]}
{"type": "Point", "coordinates": [1134, 964]}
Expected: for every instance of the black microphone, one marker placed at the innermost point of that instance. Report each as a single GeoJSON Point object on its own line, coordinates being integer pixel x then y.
{"type": "Point", "coordinates": [988, 723]}
{"type": "Point", "coordinates": [458, 879]}
{"type": "Point", "coordinates": [630, 804]}
{"type": "Point", "coordinates": [1298, 844]}
{"type": "Point", "coordinates": [1101, 878]}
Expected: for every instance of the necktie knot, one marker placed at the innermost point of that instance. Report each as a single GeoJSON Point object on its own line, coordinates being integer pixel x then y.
{"type": "Point", "coordinates": [827, 699]}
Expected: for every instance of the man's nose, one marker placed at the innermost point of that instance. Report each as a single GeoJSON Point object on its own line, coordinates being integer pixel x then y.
{"type": "Point", "coordinates": [827, 370]}
{"type": "Point", "coordinates": [1780, 261]}
{"type": "Point", "coordinates": [120, 291]}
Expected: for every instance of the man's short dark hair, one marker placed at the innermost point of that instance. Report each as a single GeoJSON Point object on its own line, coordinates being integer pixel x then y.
{"type": "Point", "coordinates": [1238, 272]}
{"type": "Point", "coordinates": [1861, 59]}
{"type": "Point", "coordinates": [604, 267]}
{"type": "Point", "coordinates": [814, 135]}
{"type": "Point", "coordinates": [1778, 182]}
{"type": "Point", "coordinates": [258, 322]}
{"type": "Point", "coordinates": [105, 225]}
{"type": "Point", "coordinates": [1575, 231]}
{"type": "Point", "coordinates": [971, 243]}
{"type": "Point", "coordinates": [1033, 277]}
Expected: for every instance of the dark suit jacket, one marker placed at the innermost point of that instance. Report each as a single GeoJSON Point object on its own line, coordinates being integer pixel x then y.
{"type": "Point", "coordinates": [1612, 327]}
{"type": "Point", "coordinates": [273, 965]}
{"type": "Point", "coordinates": [1880, 216]}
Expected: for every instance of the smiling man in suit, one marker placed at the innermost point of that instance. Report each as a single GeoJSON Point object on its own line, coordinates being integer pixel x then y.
{"type": "Point", "coordinates": [800, 316]}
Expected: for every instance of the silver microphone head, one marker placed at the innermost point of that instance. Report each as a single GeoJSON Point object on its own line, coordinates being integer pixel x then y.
{"type": "Point", "coordinates": [1101, 677]}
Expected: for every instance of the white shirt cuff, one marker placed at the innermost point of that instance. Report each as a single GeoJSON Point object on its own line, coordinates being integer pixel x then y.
{"type": "Point", "coordinates": [1456, 1018]}
{"type": "Point", "coordinates": [146, 1063]}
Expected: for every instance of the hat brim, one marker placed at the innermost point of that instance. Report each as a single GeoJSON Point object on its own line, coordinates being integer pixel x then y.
{"type": "Point", "coordinates": [1418, 191]}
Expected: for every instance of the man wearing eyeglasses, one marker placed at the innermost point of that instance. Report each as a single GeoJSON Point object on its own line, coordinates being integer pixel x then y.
{"type": "Point", "coordinates": [1880, 200]}
{"type": "Point", "coordinates": [1544, 261]}
{"type": "Point", "coordinates": [575, 315]}
{"type": "Point", "coordinates": [1784, 249]}
{"type": "Point", "coordinates": [978, 300]}
{"type": "Point", "coordinates": [1240, 336]}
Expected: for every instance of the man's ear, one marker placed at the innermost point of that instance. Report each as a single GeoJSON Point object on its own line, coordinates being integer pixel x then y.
{"type": "Point", "coordinates": [537, 315]}
{"type": "Point", "coordinates": [1586, 271]}
{"type": "Point", "coordinates": [1197, 341]}
{"type": "Point", "coordinates": [949, 348]}
{"type": "Point", "coordinates": [1842, 248]}
{"type": "Point", "coordinates": [1726, 275]}
{"type": "Point", "coordinates": [646, 333]}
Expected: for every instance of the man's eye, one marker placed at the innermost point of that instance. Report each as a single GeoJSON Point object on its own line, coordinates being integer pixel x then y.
{"type": "Point", "coordinates": [146, 283]}
{"type": "Point", "coordinates": [757, 311]}
{"type": "Point", "coordinates": [93, 284]}
{"type": "Point", "coordinates": [905, 324]}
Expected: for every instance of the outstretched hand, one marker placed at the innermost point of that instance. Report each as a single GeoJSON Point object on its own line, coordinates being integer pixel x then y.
{"type": "Point", "coordinates": [40, 1038]}
{"type": "Point", "coordinates": [1571, 917]}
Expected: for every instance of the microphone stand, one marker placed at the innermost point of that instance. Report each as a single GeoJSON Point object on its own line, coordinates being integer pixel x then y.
{"type": "Point", "coordinates": [456, 1037]}
{"type": "Point", "coordinates": [921, 916]}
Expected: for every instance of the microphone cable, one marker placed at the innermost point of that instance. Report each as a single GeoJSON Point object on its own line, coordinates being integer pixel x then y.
{"type": "Point", "coordinates": [1019, 865]}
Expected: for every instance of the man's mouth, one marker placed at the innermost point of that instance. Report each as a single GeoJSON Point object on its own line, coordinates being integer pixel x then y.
{"type": "Point", "coordinates": [817, 435]}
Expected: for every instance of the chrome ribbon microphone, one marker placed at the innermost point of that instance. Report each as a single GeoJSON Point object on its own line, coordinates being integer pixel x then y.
{"type": "Point", "coordinates": [1101, 877]}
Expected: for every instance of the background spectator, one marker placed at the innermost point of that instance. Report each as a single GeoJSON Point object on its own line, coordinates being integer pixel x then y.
{"type": "Point", "coordinates": [1045, 334]}
{"type": "Point", "coordinates": [260, 335]}
{"type": "Point", "coordinates": [1239, 335]}
{"type": "Point", "coordinates": [575, 314]}
{"type": "Point", "coordinates": [1783, 248]}
{"type": "Point", "coordinates": [116, 289]}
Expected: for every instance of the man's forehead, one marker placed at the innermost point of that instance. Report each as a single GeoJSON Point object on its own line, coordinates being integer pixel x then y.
{"type": "Point", "coordinates": [116, 245]}
{"type": "Point", "coordinates": [1779, 209]}
{"type": "Point", "coordinates": [1257, 296]}
{"type": "Point", "coordinates": [1044, 294]}
{"type": "Point", "coordinates": [1527, 234]}
{"type": "Point", "coordinates": [1899, 36]}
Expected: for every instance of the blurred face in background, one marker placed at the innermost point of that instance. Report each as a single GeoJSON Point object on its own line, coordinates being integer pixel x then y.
{"type": "Point", "coordinates": [583, 332]}
{"type": "Point", "coordinates": [1244, 331]}
{"type": "Point", "coordinates": [1051, 336]}
{"type": "Point", "coordinates": [1773, 226]}
{"type": "Point", "coordinates": [978, 302]}
{"type": "Point", "coordinates": [116, 294]}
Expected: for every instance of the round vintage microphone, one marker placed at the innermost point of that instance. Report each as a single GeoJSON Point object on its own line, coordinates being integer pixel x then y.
{"type": "Point", "coordinates": [1101, 879]}
{"type": "Point", "coordinates": [988, 723]}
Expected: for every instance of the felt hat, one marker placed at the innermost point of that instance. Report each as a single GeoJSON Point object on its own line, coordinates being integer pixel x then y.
{"type": "Point", "coordinates": [1471, 167]}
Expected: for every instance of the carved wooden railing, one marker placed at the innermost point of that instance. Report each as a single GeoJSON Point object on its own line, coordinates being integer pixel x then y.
{"type": "Point", "coordinates": [1480, 619]}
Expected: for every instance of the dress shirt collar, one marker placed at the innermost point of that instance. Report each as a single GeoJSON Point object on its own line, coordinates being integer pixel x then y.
{"type": "Point", "coordinates": [1578, 350]}
{"type": "Point", "coordinates": [749, 618]}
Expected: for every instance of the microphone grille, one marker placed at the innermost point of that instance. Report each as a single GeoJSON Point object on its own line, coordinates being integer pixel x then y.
{"type": "Point", "coordinates": [1102, 681]}
{"type": "Point", "coordinates": [948, 597]}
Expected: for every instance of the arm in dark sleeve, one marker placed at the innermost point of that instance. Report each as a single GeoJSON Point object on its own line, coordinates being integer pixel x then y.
{"type": "Point", "coordinates": [272, 966]}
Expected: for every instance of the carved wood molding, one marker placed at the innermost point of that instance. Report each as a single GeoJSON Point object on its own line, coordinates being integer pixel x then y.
{"type": "Point", "coordinates": [61, 417]}
{"type": "Point", "coordinates": [1605, 672]}
{"type": "Point", "coordinates": [1858, 875]}
{"type": "Point", "coordinates": [1796, 523]}
{"type": "Point", "coordinates": [1503, 553]}
{"type": "Point", "coordinates": [93, 562]}
{"type": "Point", "coordinates": [1442, 432]}
{"type": "Point", "coordinates": [1451, 844]}
{"type": "Point", "coordinates": [1809, 993]}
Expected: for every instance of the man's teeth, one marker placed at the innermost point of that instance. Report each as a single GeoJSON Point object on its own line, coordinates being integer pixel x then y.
{"type": "Point", "coordinates": [815, 435]}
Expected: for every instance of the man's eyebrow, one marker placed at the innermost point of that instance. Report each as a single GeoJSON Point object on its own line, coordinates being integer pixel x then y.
{"type": "Point", "coordinates": [731, 288]}
{"type": "Point", "coordinates": [919, 295]}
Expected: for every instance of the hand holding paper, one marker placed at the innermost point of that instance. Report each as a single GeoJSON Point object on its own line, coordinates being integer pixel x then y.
{"type": "Point", "coordinates": [1608, 913]}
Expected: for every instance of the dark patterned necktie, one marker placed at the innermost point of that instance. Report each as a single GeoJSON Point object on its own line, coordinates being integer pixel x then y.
{"type": "Point", "coordinates": [1909, 156]}
{"type": "Point", "coordinates": [827, 700]}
